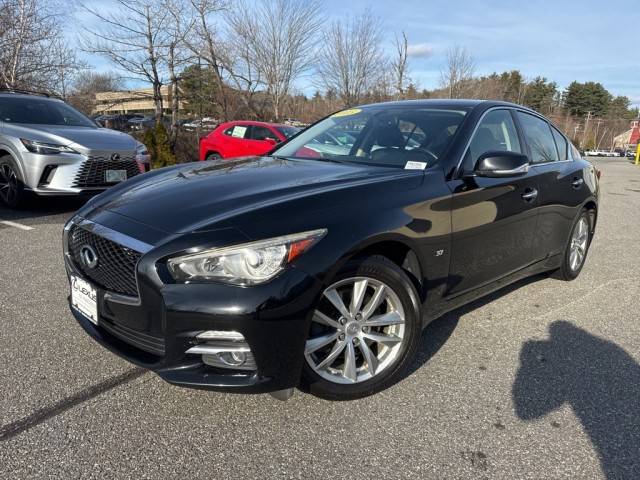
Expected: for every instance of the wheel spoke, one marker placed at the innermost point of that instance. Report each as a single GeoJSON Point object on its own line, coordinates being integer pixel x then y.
{"type": "Point", "coordinates": [350, 363]}
{"type": "Point", "coordinates": [320, 317]}
{"type": "Point", "coordinates": [319, 342]}
{"type": "Point", "coordinates": [333, 296]}
{"type": "Point", "coordinates": [369, 357]}
{"type": "Point", "coordinates": [333, 354]}
{"type": "Point", "coordinates": [374, 303]}
{"type": "Point", "coordinates": [391, 318]}
{"type": "Point", "coordinates": [359, 289]}
{"type": "Point", "coordinates": [382, 338]}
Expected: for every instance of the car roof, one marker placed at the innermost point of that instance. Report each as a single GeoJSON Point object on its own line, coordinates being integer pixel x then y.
{"type": "Point", "coordinates": [10, 94]}
{"type": "Point", "coordinates": [253, 122]}
{"type": "Point", "coordinates": [445, 103]}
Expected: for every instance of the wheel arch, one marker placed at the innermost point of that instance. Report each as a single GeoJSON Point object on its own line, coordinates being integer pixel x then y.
{"type": "Point", "coordinates": [5, 151]}
{"type": "Point", "coordinates": [396, 249]}
{"type": "Point", "coordinates": [592, 206]}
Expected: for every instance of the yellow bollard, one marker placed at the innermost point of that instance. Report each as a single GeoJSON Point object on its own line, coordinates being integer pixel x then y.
{"type": "Point", "coordinates": [638, 154]}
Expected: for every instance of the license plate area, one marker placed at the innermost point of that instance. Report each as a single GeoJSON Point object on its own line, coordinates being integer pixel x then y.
{"type": "Point", "coordinates": [84, 298]}
{"type": "Point", "coordinates": [115, 176]}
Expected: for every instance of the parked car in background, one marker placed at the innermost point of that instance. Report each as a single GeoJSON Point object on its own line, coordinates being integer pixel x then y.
{"type": "Point", "coordinates": [631, 153]}
{"type": "Point", "coordinates": [140, 123]}
{"type": "Point", "coordinates": [243, 138]}
{"type": "Point", "coordinates": [322, 269]}
{"type": "Point", "coordinates": [49, 148]}
{"type": "Point", "coordinates": [206, 125]}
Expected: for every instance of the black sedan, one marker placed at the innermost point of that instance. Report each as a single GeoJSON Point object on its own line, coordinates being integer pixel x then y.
{"type": "Point", "coordinates": [319, 265]}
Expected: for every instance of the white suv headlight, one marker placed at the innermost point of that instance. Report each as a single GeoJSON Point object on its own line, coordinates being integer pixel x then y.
{"type": "Point", "coordinates": [246, 264]}
{"type": "Point", "coordinates": [45, 148]}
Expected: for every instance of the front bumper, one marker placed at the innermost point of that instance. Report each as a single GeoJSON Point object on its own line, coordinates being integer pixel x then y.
{"type": "Point", "coordinates": [76, 173]}
{"type": "Point", "coordinates": [156, 329]}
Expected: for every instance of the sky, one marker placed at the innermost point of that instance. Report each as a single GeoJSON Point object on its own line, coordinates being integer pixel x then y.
{"type": "Point", "coordinates": [563, 40]}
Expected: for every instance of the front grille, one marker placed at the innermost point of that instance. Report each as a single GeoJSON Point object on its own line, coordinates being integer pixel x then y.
{"type": "Point", "coordinates": [116, 268]}
{"type": "Point", "coordinates": [92, 172]}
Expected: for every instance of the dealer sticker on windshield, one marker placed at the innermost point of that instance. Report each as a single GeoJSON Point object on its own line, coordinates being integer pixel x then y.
{"type": "Point", "coordinates": [346, 113]}
{"type": "Point", "coordinates": [415, 166]}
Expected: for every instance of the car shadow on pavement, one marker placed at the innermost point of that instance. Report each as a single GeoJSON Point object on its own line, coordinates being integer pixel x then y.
{"type": "Point", "coordinates": [42, 207]}
{"type": "Point", "coordinates": [598, 379]}
{"type": "Point", "coordinates": [438, 332]}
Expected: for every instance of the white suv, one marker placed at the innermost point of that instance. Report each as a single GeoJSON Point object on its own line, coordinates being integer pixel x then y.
{"type": "Point", "coordinates": [49, 148]}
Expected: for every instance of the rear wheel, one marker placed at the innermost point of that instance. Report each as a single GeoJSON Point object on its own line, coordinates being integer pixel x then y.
{"type": "Point", "coordinates": [364, 331]}
{"type": "Point", "coordinates": [577, 248]}
{"type": "Point", "coordinates": [12, 191]}
{"type": "Point", "coordinates": [214, 156]}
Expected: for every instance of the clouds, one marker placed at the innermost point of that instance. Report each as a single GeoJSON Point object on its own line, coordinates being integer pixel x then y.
{"type": "Point", "coordinates": [420, 50]}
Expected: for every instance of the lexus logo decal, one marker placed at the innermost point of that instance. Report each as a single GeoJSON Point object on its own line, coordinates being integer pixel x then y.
{"type": "Point", "coordinates": [115, 156]}
{"type": "Point", "coordinates": [89, 256]}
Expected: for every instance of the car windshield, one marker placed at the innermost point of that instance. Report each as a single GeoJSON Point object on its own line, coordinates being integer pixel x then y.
{"type": "Point", "coordinates": [41, 111]}
{"type": "Point", "coordinates": [384, 136]}
{"type": "Point", "coordinates": [288, 131]}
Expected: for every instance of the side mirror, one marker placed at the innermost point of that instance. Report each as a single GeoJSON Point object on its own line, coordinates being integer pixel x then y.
{"type": "Point", "coordinates": [501, 164]}
{"type": "Point", "coordinates": [270, 140]}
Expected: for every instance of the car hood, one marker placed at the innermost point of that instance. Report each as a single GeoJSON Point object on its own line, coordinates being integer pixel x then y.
{"type": "Point", "coordinates": [85, 137]}
{"type": "Point", "coordinates": [197, 196]}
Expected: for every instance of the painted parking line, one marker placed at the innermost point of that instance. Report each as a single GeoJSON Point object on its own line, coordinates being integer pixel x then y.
{"type": "Point", "coordinates": [16, 225]}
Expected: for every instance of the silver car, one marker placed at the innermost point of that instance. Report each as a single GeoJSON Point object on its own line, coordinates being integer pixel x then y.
{"type": "Point", "coordinates": [49, 148]}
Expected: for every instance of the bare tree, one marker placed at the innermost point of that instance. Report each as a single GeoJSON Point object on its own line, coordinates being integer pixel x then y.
{"type": "Point", "coordinates": [350, 58]}
{"type": "Point", "coordinates": [32, 52]}
{"type": "Point", "coordinates": [82, 94]}
{"type": "Point", "coordinates": [134, 37]}
{"type": "Point", "coordinates": [399, 65]}
{"type": "Point", "coordinates": [280, 36]}
{"type": "Point", "coordinates": [179, 29]}
{"type": "Point", "coordinates": [207, 46]}
{"type": "Point", "coordinates": [458, 71]}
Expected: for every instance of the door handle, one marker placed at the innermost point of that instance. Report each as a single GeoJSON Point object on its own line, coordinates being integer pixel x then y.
{"type": "Point", "coordinates": [577, 182]}
{"type": "Point", "coordinates": [529, 194]}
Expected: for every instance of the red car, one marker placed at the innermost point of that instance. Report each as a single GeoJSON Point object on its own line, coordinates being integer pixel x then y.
{"type": "Point", "coordinates": [243, 138]}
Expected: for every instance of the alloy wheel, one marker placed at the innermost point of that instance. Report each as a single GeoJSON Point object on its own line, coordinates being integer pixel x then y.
{"type": "Point", "coordinates": [357, 331]}
{"type": "Point", "coordinates": [8, 184]}
{"type": "Point", "coordinates": [579, 240]}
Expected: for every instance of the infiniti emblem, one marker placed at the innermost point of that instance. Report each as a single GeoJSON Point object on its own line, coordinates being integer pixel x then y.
{"type": "Point", "coordinates": [89, 256]}
{"type": "Point", "coordinates": [115, 156]}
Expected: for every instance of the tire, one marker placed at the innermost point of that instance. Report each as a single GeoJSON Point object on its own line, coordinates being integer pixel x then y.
{"type": "Point", "coordinates": [570, 269]}
{"type": "Point", "coordinates": [12, 192]}
{"type": "Point", "coordinates": [398, 315]}
{"type": "Point", "coordinates": [213, 156]}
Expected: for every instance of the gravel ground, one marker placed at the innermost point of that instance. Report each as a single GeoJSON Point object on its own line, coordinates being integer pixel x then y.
{"type": "Point", "coordinates": [540, 380]}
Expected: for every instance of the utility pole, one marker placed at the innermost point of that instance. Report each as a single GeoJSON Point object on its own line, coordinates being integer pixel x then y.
{"type": "Point", "coordinates": [586, 129]}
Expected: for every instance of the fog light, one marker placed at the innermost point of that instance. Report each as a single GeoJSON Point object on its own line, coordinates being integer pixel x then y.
{"type": "Point", "coordinates": [233, 359]}
{"type": "Point", "coordinates": [224, 349]}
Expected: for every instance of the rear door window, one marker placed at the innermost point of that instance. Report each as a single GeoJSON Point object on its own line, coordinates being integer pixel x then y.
{"type": "Point", "coordinates": [539, 137]}
{"type": "Point", "coordinates": [561, 143]}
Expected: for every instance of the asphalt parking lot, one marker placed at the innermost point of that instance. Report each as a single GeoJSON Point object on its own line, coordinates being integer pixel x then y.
{"type": "Point", "coordinates": [540, 380]}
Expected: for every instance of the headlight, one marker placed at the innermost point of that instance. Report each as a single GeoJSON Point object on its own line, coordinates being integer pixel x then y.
{"type": "Point", "coordinates": [246, 264]}
{"type": "Point", "coordinates": [142, 156]}
{"type": "Point", "coordinates": [141, 149]}
{"type": "Point", "coordinates": [45, 148]}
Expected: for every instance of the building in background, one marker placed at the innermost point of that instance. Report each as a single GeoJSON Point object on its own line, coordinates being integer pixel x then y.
{"type": "Point", "coordinates": [630, 138]}
{"type": "Point", "coordinates": [131, 101]}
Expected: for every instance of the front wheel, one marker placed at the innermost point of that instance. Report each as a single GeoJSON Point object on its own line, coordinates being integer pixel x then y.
{"type": "Point", "coordinates": [577, 247]}
{"type": "Point", "coordinates": [364, 331]}
{"type": "Point", "coordinates": [11, 187]}
{"type": "Point", "coordinates": [214, 157]}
